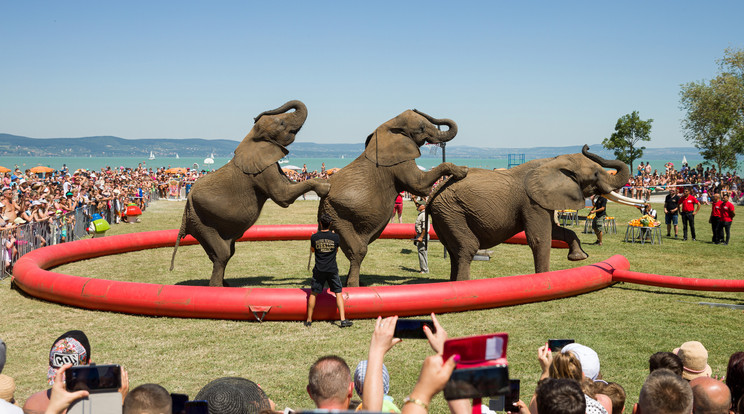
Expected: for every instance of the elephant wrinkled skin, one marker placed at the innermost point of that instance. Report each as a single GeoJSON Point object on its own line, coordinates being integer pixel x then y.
{"type": "Point", "coordinates": [488, 207]}
{"type": "Point", "coordinates": [222, 205]}
{"type": "Point", "coordinates": [363, 193]}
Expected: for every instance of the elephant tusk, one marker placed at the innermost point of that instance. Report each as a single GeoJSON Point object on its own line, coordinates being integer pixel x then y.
{"type": "Point", "coordinates": [620, 199]}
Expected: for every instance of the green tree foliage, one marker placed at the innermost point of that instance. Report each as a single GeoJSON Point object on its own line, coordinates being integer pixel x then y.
{"type": "Point", "coordinates": [714, 121]}
{"type": "Point", "coordinates": [629, 130]}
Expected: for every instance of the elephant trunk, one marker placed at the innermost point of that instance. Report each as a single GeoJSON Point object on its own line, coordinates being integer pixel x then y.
{"type": "Point", "coordinates": [296, 119]}
{"type": "Point", "coordinates": [622, 175]}
{"type": "Point", "coordinates": [440, 136]}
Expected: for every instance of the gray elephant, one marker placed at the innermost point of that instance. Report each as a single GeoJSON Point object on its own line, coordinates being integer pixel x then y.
{"type": "Point", "coordinates": [223, 205]}
{"type": "Point", "coordinates": [488, 207]}
{"type": "Point", "coordinates": [363, 193]}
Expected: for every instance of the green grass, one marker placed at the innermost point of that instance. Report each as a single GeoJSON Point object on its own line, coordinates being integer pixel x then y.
{"type": "Point", "coordinates": [625, 323]}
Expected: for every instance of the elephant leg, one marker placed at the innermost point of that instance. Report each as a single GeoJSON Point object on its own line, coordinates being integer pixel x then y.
{"type": "Point", "coordinates": [419, 183]}
{"type": "Point", "coordinates": [461, 247]}
{"type": "Point", "coordinates": [539, 232]}
{"type": "Point", "coordinates": [575, 252]}
{"type": "Point", "coordinates": [354, 248]}
{"type": "Point", "coordinates": [219, 252]}
{"type": "Point", "coordinates": [285, 193]}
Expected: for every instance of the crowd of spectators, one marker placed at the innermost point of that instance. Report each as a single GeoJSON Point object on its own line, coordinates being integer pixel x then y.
{"type": "Point", "coordinates": [570, 381]}
{"type": "Point", "coordinates": [701, 182]}
{"type": "Point", "coordinates": [40, 209]}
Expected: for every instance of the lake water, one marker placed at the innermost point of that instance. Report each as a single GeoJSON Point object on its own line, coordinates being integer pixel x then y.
{"type": "Point", "coordinates": [96, 163]}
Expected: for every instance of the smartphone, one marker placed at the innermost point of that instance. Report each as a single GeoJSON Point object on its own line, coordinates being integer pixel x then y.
{"type": "Point", "coordinates": [178, 403]}
{"type": "Point", "coordinates": [483, 381]}
{"type": "Point", "coordinates": [506, 402]}
{"type": "Point", "coordinates": [412, 328]}
{"type": "Point", "coordinates": [197, 407]}
{"type": "Point", "coordinates": [556, 345]}
{"type": "Point", "coordinates": [93, 378]}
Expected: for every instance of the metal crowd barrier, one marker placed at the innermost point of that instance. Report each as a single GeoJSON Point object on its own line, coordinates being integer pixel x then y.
{"type": "Point", "coordinates": [24, 238]}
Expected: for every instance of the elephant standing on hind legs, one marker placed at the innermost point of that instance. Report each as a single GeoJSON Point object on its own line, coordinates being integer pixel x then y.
{"type": "Point", "coordinates": [363, 193]}
{"type": "Point", "coordinates": [488, 207]}
{"type": "Point", "coordinates": [224, 204]}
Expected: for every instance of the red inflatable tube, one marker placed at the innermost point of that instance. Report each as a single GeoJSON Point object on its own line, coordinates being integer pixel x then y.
{"type": "Point", "coordinates": [675, 282]}
{"type": "Point", "coordinates": [282, 304]}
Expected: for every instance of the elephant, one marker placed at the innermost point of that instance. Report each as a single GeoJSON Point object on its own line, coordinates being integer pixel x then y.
{"type": "Point", "coordinates": [488, 207]}
{"type": "Point", "coordinates": [363, 193]}
{"type": "Point", "coordinates": [224, 204]}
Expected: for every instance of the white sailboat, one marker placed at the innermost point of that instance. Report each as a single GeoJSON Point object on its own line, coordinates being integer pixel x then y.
{"type": "Point", "coordinates": [284, 160]}
{"type": "Point", "coordinates": [209, 160]}
{"type": "Point", "coordinates": [177, 157]}
{"type": "Point", "coordinates": [152, 156]}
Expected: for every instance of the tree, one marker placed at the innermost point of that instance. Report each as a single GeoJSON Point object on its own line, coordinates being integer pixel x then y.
{"type": "Point", "coordinates": [715, 112]}
{"type": "Point", "coordinates": [629, 129]}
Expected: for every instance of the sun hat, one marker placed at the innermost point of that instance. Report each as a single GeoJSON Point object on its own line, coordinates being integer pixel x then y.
{"type": "Point", "coordinates": [7, 388]}
{"type": "Point", "coordinates": [694, 358]}
{"type": "Point", "coordinates": [588, 358]}
{"type": "Point", "coordinates": [361, 371]}
{"type": "Point", "coordinates": [234, 395]}
{"type": "Point", "coordinates": [72, 347]}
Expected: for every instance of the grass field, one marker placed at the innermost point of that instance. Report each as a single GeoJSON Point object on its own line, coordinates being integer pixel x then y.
{"type": "Point", "coordinates": [625, 323]}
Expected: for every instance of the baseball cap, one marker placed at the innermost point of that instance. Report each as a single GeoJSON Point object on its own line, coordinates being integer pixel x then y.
{"type": "Point", "coordinates": [72, 347]}
{"type": "Point", "coordinates": [694, 358]}
{"type": "Point", "coordinates": [361, 371]}
{"type": "Point", "coordinates": [588, 358]}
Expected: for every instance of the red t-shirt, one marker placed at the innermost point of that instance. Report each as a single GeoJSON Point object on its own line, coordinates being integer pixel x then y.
{"type": "Point", "coordinates": [688, 203]}
{"type": "Point", "coordinates": [727, 212]}
{"type": "Point", "coordinates": [716, 211]}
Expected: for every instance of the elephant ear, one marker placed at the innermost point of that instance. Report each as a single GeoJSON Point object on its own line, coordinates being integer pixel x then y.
{"type": "Point", "coordinates": [388, 147]}
{"type": "Point", "coordinates": [553, 186]}
{"type": "Point", "coordinates": [253, 156]}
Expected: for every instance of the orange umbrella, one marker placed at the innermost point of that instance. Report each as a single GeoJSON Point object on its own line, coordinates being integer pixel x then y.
{"type": "Point", "coordinates": [41, 169]}
{"type": "Point", "coordinates": [332, 171]}
{"type": "Point", "coordinates": [176, 170]}
{"type": "Point", "coordinates": [4, 169]}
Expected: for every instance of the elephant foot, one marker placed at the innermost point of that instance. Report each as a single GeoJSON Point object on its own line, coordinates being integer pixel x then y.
{"type": "Point", "coordinates": [352, 281]}
{"type": "Point", "coordinates": [214, 283]}
{"type": "Point", "coordinates": [577, 255]}
{"type": "Point", "coordinates": [322, 189]}
{"type": "Point", "coordinates": [459, 173]}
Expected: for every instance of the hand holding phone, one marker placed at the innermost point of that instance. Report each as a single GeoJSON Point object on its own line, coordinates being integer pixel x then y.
{"type": "Point", "coordinates": [413, 328]}
{"type": "Point", "coordinates": [197, 407]}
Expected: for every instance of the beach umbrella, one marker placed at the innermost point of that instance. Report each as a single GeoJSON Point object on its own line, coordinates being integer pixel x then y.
{"type": "Point", "coordinates": [292, 167]}
{"type": "Point", "coordinates": [288, 171]}
{"type": "Point", "coordinates": [4, 169]}
{"type": "Point", "coordinates": [176, 170]}
{"type": "Point", "coordinates": [41, 170]}
{"type": "Point", "coordinates": [332, 171]}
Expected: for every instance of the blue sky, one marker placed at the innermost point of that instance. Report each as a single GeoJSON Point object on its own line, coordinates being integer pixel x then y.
{"type": "Point", "coordinates": [511, 74]}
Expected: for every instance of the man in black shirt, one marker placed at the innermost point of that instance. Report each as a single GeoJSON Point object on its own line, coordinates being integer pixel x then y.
{"type": "Point", "coordinates": [671, 210]}
{"type": "Point", "coordinates": [325, 246]}
{"type": "Point", "coordinates": [600, 211]}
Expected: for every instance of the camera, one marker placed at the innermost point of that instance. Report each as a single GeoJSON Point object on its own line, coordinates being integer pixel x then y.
{"type": "Point", "coordinates": [479, 382]}
{"type": "Point", "coordinates": [555, 345]}
{"type": "Point", "coordinates": [506, 402]}
{"type": "Point", "coordinates": [102, 382]}
{"type": "Point", "coordinates": [93, 378]}
{"type": "Point", "coordinates": [412, 328]}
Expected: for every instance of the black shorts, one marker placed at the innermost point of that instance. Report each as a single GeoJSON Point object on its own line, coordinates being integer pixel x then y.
{"type": "Point", "coordinates": [321, 278]}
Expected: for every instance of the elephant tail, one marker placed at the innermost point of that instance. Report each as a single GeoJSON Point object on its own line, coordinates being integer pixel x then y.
{"type": "Point", "coordinates": [181, 233]}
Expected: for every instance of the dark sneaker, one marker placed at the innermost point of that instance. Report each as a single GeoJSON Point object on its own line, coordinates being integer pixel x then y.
{"type": "Point", "coordinates": [308, 324]}
{"type": "Point", "coordinates": [346, 323]}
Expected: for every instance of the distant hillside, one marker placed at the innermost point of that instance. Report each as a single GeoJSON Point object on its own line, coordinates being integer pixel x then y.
{"type": "Point", "coordinates": [108, 146]}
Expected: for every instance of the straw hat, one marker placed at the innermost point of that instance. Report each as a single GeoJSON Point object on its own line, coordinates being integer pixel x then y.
{"type": "Point", "coordinates": [7, 388]}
